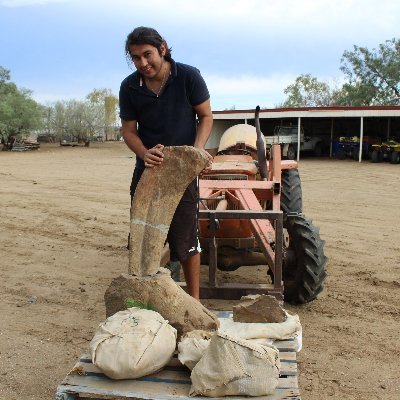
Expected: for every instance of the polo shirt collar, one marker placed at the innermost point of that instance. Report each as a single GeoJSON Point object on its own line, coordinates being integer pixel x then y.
{"type": "Point", "coordinates": [173, 73]}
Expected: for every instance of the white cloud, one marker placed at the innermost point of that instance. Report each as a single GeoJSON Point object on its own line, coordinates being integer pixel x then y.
{"type": "Point", "coordinates": [247, 84]}
{"type": "Point", "coordinates": [271, 18]}
{"type": "Point", "coordinates": [51, 97]}
{"type": "Point", "coordinates": [249, 51]}
{"type": "Point", "coordinates": [247, 91]}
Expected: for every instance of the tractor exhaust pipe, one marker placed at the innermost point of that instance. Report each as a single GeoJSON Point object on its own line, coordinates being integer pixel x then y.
{"type": "Point", "coordinates": [262, 160]}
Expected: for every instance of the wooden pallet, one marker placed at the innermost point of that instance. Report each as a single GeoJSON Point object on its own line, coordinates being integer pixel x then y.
{"type": "Point", "coordinates": [85, 381]}
{"type": "Point", "coordinates": [25, 146]}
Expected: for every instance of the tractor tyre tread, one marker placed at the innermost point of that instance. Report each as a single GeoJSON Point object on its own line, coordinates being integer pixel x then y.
{"type": "Point", "coordinates": [376, 156]}
{"type": "Point", "coordinates": [304, 281]}
{"type": "Point", "coordinates": [291, 153]}
{"type": "Point", "coordinates": [318, 150]}
{"type": "Point", "coordinates": [341, 154]}
{"type": "Point", "coordinates": [394, 157]}
{"type": "Point", "coordinates": [291, 194]}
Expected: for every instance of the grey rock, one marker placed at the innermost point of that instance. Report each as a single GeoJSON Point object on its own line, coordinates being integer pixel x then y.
{"type": "Point", "coordinates": [259, 308]}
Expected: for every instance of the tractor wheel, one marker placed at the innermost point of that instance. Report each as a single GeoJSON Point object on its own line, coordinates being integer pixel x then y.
{"type": "Point", "coordinates": [318, 150]}
{"type": "Point", "coordinates": [341, 154]}
{"type": "Point", "coordinates": [291, 195]}
{"type": "Point", "coordinates": [395, 157]}
{"type": "Point", "coordinates": [355, 154]}
{"type": "Point", "coordinates": [304, 261]}
{"type": "Point", "coordinates": [291, 153]}
{"type": "Point", "coordinates": [376, 156]}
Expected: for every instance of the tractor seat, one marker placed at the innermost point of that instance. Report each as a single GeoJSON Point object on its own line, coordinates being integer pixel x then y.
{"type": "Point", "coordinates": [234, 164]}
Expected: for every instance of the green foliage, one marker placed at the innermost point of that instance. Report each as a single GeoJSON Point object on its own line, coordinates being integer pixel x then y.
{"type": "Point", "coordinates": [82, 120]}
{"type": "Point", "coordinates": [373, 78]}
{"type": "Point", "coordinates": [354, 95]}
{"type": "Point", "coordinates": [97, 96]}
{"type": "Point", "coordinates": [105, 104]}
{"type": "Point", "coordinates": [4, 75]}
{"type": "Point", "coordinates": [19, 113]}
{"type": "Point", "coordinates": [374, 75]}
{"type": "Point", "coordinates": [73, 119]}
{"type": "Point", "coordinates": [307, 91]}
{"type": "Point", "coordinates": [134, 303]}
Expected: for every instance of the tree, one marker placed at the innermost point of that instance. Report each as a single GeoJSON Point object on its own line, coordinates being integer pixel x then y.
{"type": "Point", "coordinates": [19, 113]}
{"type": "Point", "coordinates": [104, 109]}
{"type": "Point", "coordinates": [374, 75]}
{"type": "Point", "coordinates": [110, 109]}
{"type": "Point", "coordinates": [77, 123]}
{"type": "Point", "coordinates": [307, 91]}
{"type": "Point", "coordinates": [58, 119]}
{"type": "Point", "coordinates": [4, 75]}
{"type": "Point", "coordinates": [83, 119]}
{"type": "Point", "coordinates": [354, 95]}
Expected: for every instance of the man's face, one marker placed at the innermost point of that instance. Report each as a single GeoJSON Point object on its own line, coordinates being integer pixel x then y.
{"type": "Point", "coordinates": [147, 59]}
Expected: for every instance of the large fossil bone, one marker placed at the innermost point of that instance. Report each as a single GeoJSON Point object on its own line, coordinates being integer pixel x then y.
{"type": "Point", "coordinates": [161, 293]}
{"type": "Point", "coordinates": [156, 198]}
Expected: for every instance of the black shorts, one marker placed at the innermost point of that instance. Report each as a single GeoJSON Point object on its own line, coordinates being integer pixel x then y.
{"type": "Point", "coordinates": [182, 235]}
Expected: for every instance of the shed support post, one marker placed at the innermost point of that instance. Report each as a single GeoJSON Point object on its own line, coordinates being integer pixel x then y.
{"type": "Point", "coordinates": [361, 139]}
{"type": "Point", "coordinates": [298, 138]}
{"type": "Point", "coordinates": [331, 144]}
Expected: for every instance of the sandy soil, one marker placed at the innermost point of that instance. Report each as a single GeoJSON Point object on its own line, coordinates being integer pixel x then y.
{"type": "Point", "coordinates": [63, 231]}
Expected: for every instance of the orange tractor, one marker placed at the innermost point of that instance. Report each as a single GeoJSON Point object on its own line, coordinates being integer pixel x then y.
{"type": "Point", "coordinates": [250, 213]}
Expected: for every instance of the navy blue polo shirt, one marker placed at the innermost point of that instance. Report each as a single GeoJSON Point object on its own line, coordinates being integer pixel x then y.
{"type": "Point", "coordinates": [169, 119]}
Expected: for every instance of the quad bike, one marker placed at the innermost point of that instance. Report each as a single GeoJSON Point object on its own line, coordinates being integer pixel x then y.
{"type": "Point", "coordinates": [389, 151]}
{"type": "Point", "coordinates": [250, 213]}
{"type": "Point", "coordinates": [349, 147]}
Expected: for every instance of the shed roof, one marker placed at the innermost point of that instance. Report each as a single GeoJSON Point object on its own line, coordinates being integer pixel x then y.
{"type": "Point", "coordinates": [312, 112]}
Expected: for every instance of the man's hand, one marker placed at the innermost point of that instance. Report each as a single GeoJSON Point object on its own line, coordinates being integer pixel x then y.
{"type": "Point", "coordinates": [208, 167]}
{"type": "Point", "coordinates": [154, 156]}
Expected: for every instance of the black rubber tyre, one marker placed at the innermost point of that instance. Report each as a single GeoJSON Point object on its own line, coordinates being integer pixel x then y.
{"type": "Point", "coordinates": [291, 195]}
{"type": "Point", "coordinates": [395, 157]}
{"type": "Point", "coordinates": [304, 261]}
{"type": "Point", "coordinates": [355, 154]}
{"type": "Point", "coordinates": [376, 156]}
{"type": "Point", "coordinates": [318, 150]}
{"type": "Point", "coordinates": [291, 153]}
{"type": "Point", "coordinates": [341, 154]}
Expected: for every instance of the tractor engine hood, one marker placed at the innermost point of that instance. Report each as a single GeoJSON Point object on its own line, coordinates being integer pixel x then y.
{"type": "Point", "coordinates": [240, 133]}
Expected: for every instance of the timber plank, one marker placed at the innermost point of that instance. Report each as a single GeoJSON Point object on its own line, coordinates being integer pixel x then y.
{"type": "Point", "coordinates": [86, 381]}
{"type": "Point", "coordinates": [172, 382]}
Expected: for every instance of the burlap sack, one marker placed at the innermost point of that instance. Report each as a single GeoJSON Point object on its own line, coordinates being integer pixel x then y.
{"type": "Point", "coordinates": [235, 367]}
{"type": "Point", "coordinates": [261, 332]}
{"type": "Point", "coordinates": [278, 330]}
{"type": "Point", "coordinates": [133, 343]}
{"type": "Point", "coordinates": [192, 347]}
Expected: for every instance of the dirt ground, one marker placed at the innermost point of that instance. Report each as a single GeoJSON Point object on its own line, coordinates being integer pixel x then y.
{"type": "Point", "coordinates": [63, 232]}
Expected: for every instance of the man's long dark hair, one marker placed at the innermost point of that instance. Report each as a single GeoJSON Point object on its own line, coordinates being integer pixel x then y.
{"type": "Point", "coordinates": [144, 35]}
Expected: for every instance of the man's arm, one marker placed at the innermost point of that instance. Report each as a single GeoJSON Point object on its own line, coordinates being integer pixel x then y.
{"type": "Point", "coordinates": [151, 157]}
{"type": "Point", "coordinates": [205, 118]}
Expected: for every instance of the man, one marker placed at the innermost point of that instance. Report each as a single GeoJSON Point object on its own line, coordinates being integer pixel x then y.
{"type": "Point", "coordinates": [159, 104]}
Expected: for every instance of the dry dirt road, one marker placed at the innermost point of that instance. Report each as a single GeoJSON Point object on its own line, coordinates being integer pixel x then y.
{"type": "Point", "coordinates": [63, 231]}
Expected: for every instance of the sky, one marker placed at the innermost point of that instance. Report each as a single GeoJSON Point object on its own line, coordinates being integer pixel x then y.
{"type": "Point", "coordinates": [248, 51]}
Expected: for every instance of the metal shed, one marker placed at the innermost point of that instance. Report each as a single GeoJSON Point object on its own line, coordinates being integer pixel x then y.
{"type": "Point", "coordinates": [330, 122]}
